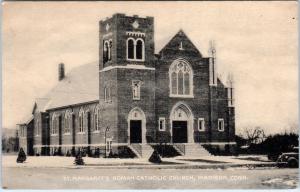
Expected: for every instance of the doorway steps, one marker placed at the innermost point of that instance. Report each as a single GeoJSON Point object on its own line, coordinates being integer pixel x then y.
{"type": "Point", "coordinates": [141, 150]}
{"type": "Point", "coordinates": [191, 149]}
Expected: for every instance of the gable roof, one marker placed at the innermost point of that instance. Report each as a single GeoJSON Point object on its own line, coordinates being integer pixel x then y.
{"type": "Point", "coordinates": [40, 104]}
{"type": "Point", "coordinates": [80, 85]}
{"type": "Point", "coordinates": [26, 120]}
{"type": "Point", "coordinates": [180, 39]}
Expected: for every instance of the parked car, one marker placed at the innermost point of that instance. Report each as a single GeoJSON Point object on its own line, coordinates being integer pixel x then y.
{"type": "Point", "coordinates": [290, 159]}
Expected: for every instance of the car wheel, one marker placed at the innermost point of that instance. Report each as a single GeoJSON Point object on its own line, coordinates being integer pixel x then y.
{"type": "Point", "coordinates": [293, 163]}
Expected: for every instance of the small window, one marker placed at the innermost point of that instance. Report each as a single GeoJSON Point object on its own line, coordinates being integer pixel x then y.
{"type": "Point", "coordinates": [107, 94]}
{"type": "Point", "coordinates": [136, 90]}
{"type": "Point", "coordinates": [221, 124]}
{"type": "Point", "coordinates": [201, 124]}
{"type": "Point", "coordinates": [162, 124]}
{"type": "Point", "coordinates": [109, 50]}
{"type": "Point", "coordinates": [105, 51]}
{"type": "Point", "coordinates": [130, 49]}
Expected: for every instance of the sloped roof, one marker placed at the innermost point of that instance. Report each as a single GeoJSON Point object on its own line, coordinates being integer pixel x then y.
{"type": "Point", "coordinates": [40, 104]}
{"type": "Point", "coordinates": [180, 39]}
{"type": "Point", "coordinates": [80, 85]}
{"type": "Point", "coordinates": [26, 120]}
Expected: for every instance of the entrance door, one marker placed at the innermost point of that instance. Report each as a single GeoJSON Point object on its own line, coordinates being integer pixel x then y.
{"type": "Point", "coordinates": [179, 131]}
{"type": "Point", "coordinates": [135, 131]}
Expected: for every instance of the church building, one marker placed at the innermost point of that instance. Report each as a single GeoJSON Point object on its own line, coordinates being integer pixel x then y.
{"type": "Point", "coordinates": [133, 101]}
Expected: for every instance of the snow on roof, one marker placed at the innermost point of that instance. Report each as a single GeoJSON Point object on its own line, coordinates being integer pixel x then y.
{"type": "Point", "coordinates": [80, 85]}
{"type": "Point", "coordinates": [41, 104]}
{"type": "Point", "coordinates": [26, 120]}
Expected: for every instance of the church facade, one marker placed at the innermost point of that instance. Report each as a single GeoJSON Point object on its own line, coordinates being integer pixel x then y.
{"type": "Point", "coordinates": [134, 100]}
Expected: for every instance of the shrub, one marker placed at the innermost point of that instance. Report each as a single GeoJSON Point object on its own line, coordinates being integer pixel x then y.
{"type": "Point", "coordinates": [155, 158]}
{"type": "Point", "coordinates": [79, 160]}
{"type": "Point", "coordinates": [21, 156]}
{"type": "Point", "coordinates": [68, 154]}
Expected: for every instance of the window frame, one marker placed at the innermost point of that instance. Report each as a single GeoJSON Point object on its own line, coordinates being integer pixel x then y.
{"type": "Point", "coordinates": [96, 119]}
{"type": "Point", "coordinates": [222, 128]}
{"type": "Point", "coordinates": [127, 48]}
{"type": "Point", "coordinates": [81, 117]}
{"type": "Point", "coordinates": [107, 50]}
{"type": "Point", "coordinates": [55, 124]}
{"type": "Point", "coordinates": [107, 94]}
{"type": "Point", "coordinates": [174, 69]}
{"type": "Point", "coordinates": [67, 122]}
{"type": "Point", "coordinates": [163, 119]}
{"type": "Point", "coordinates": [135, 49]}
{"type": "Point", "coordinates": [201, 121]}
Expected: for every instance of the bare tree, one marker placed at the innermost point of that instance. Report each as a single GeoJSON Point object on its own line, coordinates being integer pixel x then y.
{"type": "Point", "coordinates": [254, 135]}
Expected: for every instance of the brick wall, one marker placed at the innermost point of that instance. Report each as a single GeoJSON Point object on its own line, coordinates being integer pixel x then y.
{"type": "Point", "coordinates": [80, 138]}
{"type": "Point", "coordinates": [119, 24]}
{"type": "Point", "coordinates": [209, 103]}
{"type": "Point", "coordinates": [126, 102]}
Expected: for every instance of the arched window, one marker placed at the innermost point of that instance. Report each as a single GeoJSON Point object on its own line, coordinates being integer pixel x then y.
{"type": "Point", "coordinates": [55, 124]}
{"type": "Point", "coordinates": [139, 49]}
{"type": "Point", "coordinates": [130, 48]}
{"type": "Point", "coordinates": [135, 49]}
{"type": "Point", "coordinates": [181, 79]}
{"type": "Point", "coordinates": [86, 121]}
{"type": "Point", "coordinates": [68, 121]}
{"type": "Point", "coordinates": [109, 49]}
{"type": "Point", "coordinates": [81, 120]}
{"type": "Point", "coordinates": [96, 118]}
{"type": "Point", "coordinates": [106, 51]}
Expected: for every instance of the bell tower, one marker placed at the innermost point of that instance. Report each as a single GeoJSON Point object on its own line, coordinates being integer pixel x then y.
{"type": "Point", "coordinates": [126, 40]}
{"type": "Point", "coordinates": [127, 77]}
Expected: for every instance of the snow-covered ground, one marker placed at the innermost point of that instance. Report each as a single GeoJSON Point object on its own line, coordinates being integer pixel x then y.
{"type": "Point", "coordinates": [60, 173]}
{"type": "Point", "coordinates": [115, 178]}
{"type": "Point", "coordinates": [57, 161]}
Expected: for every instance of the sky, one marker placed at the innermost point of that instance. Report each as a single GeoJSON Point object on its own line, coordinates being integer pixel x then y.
{"type": "Point", "coordinates": [255, 41]}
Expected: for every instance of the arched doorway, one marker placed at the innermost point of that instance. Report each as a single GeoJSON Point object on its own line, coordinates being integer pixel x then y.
{"type": "Point", "coordinates": [181, 121]}
{"type": "Point", "coordinates": [136, 126]}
